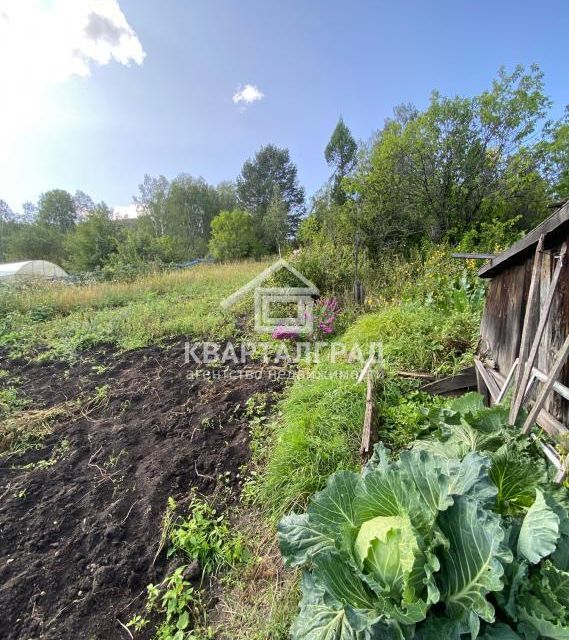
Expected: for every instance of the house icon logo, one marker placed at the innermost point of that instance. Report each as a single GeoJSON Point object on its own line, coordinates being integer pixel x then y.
{"type": "Point", "coordinates": [265, 297]}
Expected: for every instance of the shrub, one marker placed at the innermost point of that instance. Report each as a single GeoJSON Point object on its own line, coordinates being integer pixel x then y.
{"type": "Point", "coordinates": [233, 236]}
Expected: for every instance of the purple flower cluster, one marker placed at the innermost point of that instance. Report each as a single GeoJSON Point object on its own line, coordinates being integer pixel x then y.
{"type": "Point", "coordinates": [284, 333]}
{"type": "Point", "coordinates": [325, 313]}
{"type": "Point", "coordinates": [324, 316]}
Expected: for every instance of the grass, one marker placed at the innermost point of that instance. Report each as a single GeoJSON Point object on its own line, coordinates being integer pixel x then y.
{"type": "Point", "coordinates": [317, 434]}
{"type": "Point", "coordinates": [59, 320]}
{"type": "Point", "coordinates": [417, 337]}
{"type": "Point", "coordinates": [24, 430]}
{"type": "Point", "coordinates": [319, 428]}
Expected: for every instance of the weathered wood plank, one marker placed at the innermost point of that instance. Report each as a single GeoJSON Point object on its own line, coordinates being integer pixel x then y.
{"type": "Point", "coordinates": [552, 377]}
{"type": "Point", "coordinates": [558, 387]}
{"type": "Point", "coordinates": [503, 316]}
{"type": "Point", "coordinates": [367, 433]}
{"type": "Point", "coordinates": [525, 341]}
{"type": "Point", "coordinates": [544, 316]}
{"type": "Point", "coordinates": [545, 420]}
{"type": "Point", "coordinates": [508, 381]}
{"type": "Point", "coordinates": [489, 381]}
{"type": "Point", "coordinates": [464, 380]}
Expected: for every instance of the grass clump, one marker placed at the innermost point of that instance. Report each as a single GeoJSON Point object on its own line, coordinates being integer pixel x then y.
{"type": "Point", "coordinates": [318, 433]}
{"type": "Point", "coordinates": [21, 431]}
{"type": "Point", "coordinates": [418, 337]}
{"type": "Point", "coordinates": [259, 600]}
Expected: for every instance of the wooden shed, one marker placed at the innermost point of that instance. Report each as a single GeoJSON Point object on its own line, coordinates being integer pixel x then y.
{"type": "Point", "coordinates": [526, 317]}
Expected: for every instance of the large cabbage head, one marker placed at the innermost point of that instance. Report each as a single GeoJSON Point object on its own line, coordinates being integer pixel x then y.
{"type": "Point", "coordinates": [380, 549]}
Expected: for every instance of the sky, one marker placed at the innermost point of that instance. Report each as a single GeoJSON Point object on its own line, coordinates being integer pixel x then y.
{"type": "Point", "coordinates": [96, 93]}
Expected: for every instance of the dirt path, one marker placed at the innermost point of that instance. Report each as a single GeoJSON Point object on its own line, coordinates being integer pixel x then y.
{"type": "Point", "coordinates": [79, 531]}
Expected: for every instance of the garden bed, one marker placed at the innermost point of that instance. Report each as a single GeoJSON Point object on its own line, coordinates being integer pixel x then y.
{"type": "Point", "coordinates": [81, 509]}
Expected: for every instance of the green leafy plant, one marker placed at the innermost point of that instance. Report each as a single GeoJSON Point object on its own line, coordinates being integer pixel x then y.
{"type": "Point", "coordinates": [206, 537]}
{"type": "Point", "coordinates": [440, 543]}
{"type": "Point", "coordinates": [373, 544]}
{"type": "Point", "coordinates": [176, 598]}
{"type": "Point", "coordinates": [466, 425]}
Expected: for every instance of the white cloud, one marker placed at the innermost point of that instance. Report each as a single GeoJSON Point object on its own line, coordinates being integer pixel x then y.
{"type": "Point", "coordinates": [247, 94]}
{"type": "Point", "coordinates": [125, 211]}
{"type": "Point", "coordinates": [43, 44]}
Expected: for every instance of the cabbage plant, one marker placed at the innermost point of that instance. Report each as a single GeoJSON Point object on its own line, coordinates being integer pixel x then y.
{"type": "Point", "coordinates": [414, 548]}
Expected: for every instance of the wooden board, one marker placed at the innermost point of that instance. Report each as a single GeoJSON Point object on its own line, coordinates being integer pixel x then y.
{"type": "Point", "coordinates": [463, 381]}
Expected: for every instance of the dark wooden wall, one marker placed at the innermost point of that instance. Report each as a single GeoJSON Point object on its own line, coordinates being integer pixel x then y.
{"type": "Point", "coordinates": [503, 319]}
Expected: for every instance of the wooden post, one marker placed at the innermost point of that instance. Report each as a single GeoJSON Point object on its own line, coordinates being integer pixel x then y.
{"type": "Point", "coordinates": [556, 369]}
{"type": "Point", "coordinates": [365, 448]}
{"type": "Point", "coordinates": [524, 343]}
{"type": "Point", "coordinates": [528, 365]}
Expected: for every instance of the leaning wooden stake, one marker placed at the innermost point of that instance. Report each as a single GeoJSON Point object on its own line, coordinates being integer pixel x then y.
{"type": "Point", "coordinates": [556, 369]}
{"type": "Point", "coordinates": [528, 365]}
{"type": "Point", "coordinates": [506, 386]}
{"type": "Point", "coordinates": [524, 343]}
{"type": "Point", "coordinates": [491, 384]}
{"type": "Point", "coordinates": [366, 446]}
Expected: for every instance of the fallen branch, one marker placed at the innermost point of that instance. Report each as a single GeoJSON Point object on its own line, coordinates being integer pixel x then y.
{"type": "Point", "coordinates": [415, 374]}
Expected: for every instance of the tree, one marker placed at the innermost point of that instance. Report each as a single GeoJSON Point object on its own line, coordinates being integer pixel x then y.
{"type": "Point", "coordinates": [554, 157]}
{"type": "Point", "coordinates": [29, 212]}
{"type": "Point", "coordinates": [270, 168]}
{"type": "Point", "coordinates": [340, 153]}
{"type": "Point", "coordinates": [83, 204]}
{"type": "Point", "coordinates": [275, 223]}
{"type": "Point", "coordinates": [35, 242]}
{"type": "Point", "coordinates": [151, 202]}
{"type": "Point", "coordinates": [93, 241]}
{"type": "Point", "coordinates": [56, 209]}
{"type": "Point", "coordinates": [140, 246]}
{"type": "Point", "coordinates": [233, 236]}
{"type": "Point", "coordinates": [226, 195]}
{"type": "Point", "coordinates": [462, 161]}
{"type": "Point", "coordinates": [191, 206]}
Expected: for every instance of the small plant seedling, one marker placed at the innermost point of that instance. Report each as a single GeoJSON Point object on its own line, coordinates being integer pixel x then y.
{"type": "Point", "coordinates": [137, 622]}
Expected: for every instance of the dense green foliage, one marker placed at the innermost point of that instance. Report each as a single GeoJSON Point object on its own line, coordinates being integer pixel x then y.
{"type": "Point", "coordinates": [442, 542]}
{"type": "Point", "coordinates": [457, 168]}
{"type": "Point", "coordinates": [233, 236]}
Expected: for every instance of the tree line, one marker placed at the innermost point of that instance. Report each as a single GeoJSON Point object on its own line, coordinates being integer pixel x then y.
{"type": "Point", "coordinates": [261, 210]}
{"type": "Point", "coordinates": [453, 168]}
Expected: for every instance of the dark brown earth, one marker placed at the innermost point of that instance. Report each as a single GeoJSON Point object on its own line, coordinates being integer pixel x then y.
{"type": "Point", "coordinates": [78, 539]}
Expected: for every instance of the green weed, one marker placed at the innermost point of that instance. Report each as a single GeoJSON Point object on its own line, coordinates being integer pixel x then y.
{"type": "Point", "coordinates": [207, 537]}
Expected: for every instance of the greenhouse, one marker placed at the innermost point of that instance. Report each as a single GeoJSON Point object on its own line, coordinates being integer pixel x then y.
{"type": "Point", "coordinates": [31, 269]}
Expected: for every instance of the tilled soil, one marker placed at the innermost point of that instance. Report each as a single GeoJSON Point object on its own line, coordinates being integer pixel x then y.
{"type": "Point", "coordinates": [80, 532]}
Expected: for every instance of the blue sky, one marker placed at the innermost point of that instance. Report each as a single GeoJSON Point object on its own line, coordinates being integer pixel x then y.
{"type": "Point", "coordinates": [101, 127]}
